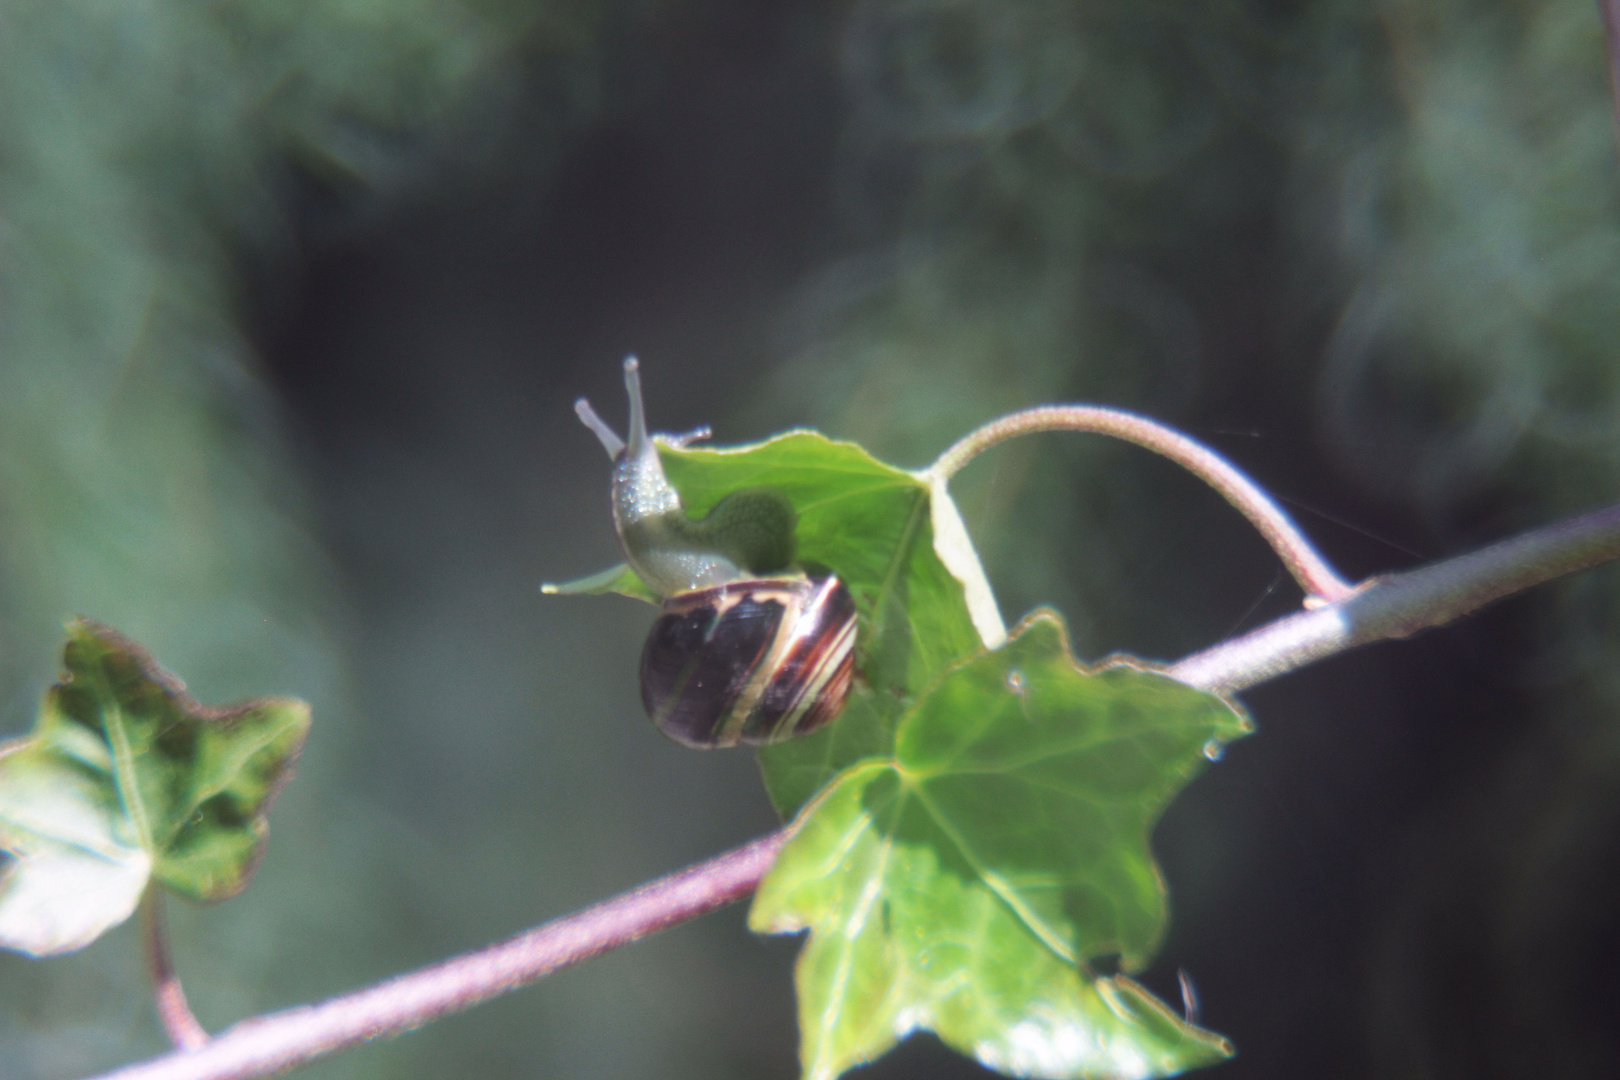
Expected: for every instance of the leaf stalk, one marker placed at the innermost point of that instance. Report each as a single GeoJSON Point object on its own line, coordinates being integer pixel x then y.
{"type": "Point", "coordinates": [1308, 567]}
{"type": "Point", "coordinates": [185, 1032]}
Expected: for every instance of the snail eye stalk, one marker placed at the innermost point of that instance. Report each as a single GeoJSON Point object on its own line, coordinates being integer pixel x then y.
{"type": "Point", "coordinates": [736, 656]}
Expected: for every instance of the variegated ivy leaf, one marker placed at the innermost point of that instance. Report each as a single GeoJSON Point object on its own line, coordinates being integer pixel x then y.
{"type": "Point", "coordinates": [127, 779]}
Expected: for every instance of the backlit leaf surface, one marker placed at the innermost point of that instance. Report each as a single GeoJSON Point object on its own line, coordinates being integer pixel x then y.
{"type": "Point", "coordinates": [962, 884]}
{"type": "Point", "coordinates": [126, 778]}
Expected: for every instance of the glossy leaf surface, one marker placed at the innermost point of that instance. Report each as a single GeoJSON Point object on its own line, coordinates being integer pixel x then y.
{"type": "Point", "coordinates": [962, 884]}
{"type": "Point", "coordinates": [126, 779]}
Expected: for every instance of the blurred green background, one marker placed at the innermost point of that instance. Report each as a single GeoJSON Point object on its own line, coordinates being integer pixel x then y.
{"type": "Point", "coordinates": [295, 297]}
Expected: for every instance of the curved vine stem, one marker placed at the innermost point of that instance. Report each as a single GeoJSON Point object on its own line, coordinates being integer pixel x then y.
{"type": "Point", "coordinates": [1318, 579]}
{"type": "Point", "coordinates": [1386, 607]}
{"type": "Point", "coordinates": [173, 1009]}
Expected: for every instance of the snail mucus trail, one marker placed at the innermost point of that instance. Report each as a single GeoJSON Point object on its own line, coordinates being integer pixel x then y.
{"type": "Point", "coordinates": [746, 649]}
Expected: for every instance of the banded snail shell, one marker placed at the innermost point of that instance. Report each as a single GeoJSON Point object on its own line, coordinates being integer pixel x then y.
{"type": "Point", "coordinates": [751, 661]}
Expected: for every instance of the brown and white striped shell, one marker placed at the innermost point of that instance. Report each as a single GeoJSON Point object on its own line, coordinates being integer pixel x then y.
{"type": "Point", "coordinates": [750, 662]}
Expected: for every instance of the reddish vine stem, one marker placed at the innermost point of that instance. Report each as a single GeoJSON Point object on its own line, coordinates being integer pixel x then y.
{"type": "Point", "coordinates": [1307, 566]}
{"type": "Point", "coordinates": [1400, 605]}
{"type": "Point", "coordinates": [173, 1010]}
{"type": "Point", "coordinates": [1387, 607]}
{"type": "Point", "coordinates": [278, 1041]}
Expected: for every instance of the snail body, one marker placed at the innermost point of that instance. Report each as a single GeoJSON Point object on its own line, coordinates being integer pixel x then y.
{"type": "Point", "coordinates": [746, 649]}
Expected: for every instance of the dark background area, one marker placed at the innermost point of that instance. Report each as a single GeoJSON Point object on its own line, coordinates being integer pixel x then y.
{"type": "Point", "coordinates": [824, 214]}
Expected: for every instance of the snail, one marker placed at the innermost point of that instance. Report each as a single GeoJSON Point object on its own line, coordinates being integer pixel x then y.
{"type": "Point", "coordinates": [746, 648]}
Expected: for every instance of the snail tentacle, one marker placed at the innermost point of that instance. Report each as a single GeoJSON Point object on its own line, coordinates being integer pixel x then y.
{"type": "Point", "coordinates": [748, 649]}
{"type": "Point", "coordinates": [610, 439]}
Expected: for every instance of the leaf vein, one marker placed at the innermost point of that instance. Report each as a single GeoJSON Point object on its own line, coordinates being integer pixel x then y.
{"type": "Point", "coordinates": [998, 885]}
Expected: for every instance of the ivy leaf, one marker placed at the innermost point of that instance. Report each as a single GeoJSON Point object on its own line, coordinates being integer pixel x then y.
{"type": "Point", "coordinates": [963, 884]}
{"type": "Point", "coordinates": [125, 779]}
{"type": "Point", "coordinates": [870, 524]}
{"type": "Point", "coordinates": [867, 522]}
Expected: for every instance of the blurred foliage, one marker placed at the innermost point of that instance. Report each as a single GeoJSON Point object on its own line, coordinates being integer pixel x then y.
{"type": "Point", "coordinates": [1366, 249]}
{"type": "Point", "coordinates": [148, 153]}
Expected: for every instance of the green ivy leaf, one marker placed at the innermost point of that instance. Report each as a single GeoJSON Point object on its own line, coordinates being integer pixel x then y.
{"type": "Point", "coordinates": [869, 523]}
{"type": "Point", "coordinates": [866, 521]}
{"type": "Point", "coordinates": [962, 885]}
{"type": "Point", "coordinates": [126, 778]}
